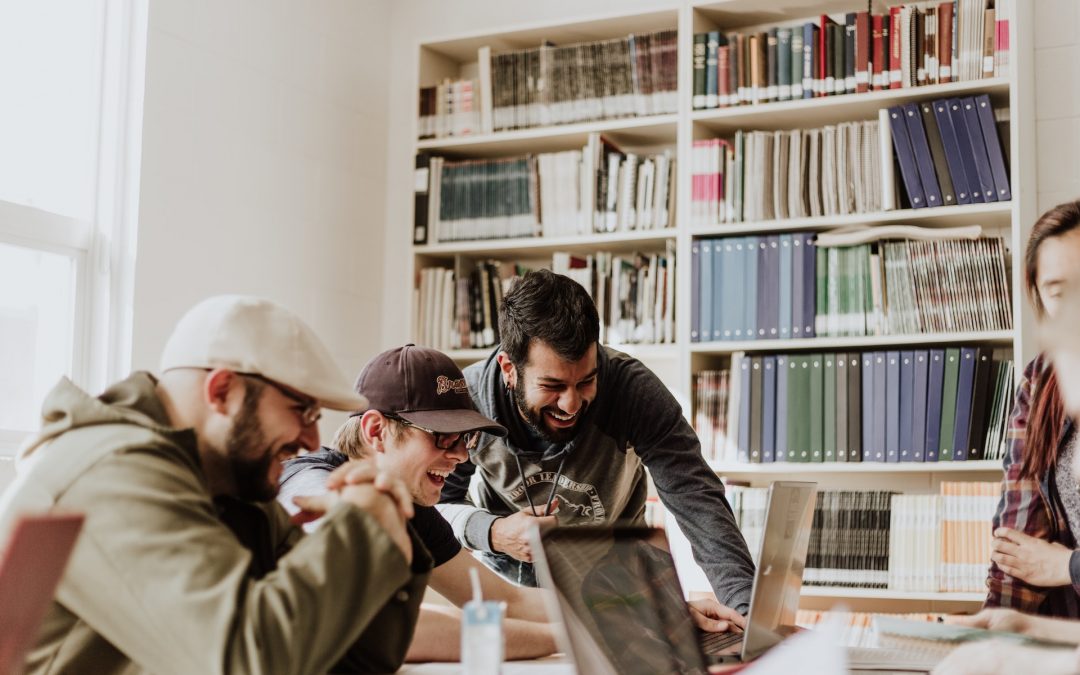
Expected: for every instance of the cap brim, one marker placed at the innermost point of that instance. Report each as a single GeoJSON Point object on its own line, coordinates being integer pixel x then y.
{"type": "Point", "coordinates": [454, 421]}
{"type": "Point", "coordinates": [348, 401]}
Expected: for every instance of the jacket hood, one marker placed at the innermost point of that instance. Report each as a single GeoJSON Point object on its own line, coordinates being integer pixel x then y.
{"type": "Point", "coordinates": [131, 401]}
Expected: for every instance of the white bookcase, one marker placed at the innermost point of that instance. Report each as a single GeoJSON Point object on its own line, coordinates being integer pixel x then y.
{"type": "Point", "coordinates": [676, 363]}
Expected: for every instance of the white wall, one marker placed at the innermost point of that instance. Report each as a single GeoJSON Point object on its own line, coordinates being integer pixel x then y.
{"type": "Point", "coordinates": [264, 150]}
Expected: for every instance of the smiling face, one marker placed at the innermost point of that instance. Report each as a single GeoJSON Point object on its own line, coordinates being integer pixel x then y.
{"type": "Point", "coordinates": [410, 455]}
{"type": "Point", "coordinates": [1058, 268]}
{"type": "Point", "coordinates": [552, 394]}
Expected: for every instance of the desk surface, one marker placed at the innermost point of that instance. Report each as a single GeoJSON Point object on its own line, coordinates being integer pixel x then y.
{"type": "Point", "coordinates": [552, 665]}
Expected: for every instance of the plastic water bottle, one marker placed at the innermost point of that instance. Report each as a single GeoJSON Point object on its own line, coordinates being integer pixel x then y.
{"type": "Point", "coordinates": [481, 633]}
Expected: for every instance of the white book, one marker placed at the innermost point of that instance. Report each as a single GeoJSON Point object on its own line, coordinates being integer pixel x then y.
{"type": "Point", "coordinates": [885, 150]}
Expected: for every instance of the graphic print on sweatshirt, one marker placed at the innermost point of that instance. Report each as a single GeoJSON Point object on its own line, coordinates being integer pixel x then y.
{"type": "Point", "coordinates": [579, 503]}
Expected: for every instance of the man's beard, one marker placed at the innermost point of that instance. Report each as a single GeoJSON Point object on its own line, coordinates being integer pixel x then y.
{"type": "Point", "coordinates": [535, 419]}
{"type": "Point", "coordinates": [251, 475]}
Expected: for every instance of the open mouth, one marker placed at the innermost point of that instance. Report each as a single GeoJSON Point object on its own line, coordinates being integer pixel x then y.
{"type": "Point", "coordinates": [560, 420]}
{"type": "Point", "coordinates": [438, 477]}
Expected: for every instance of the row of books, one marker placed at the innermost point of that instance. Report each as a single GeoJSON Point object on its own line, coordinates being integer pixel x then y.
{"type": "Point", "coordinates": [774, 175]}
{"type": "Point", "coordinates": [449, 108]}
{"type": "Point", "coordinates": [460, 311]}
{"type": "Point", "coordinates": [786, 286]}
{"type": "Point", "coordinates": [910, 45]}
{"type": "Point", "coordinates": [949, 151]}
{"type": "Point", "coordinates": [597, 189]}
{"type": "Point", "coordinates": [922, 405]}
{"type": "Point", "coordinates": [880, 539]}
{"type": "Point", "coordinates": [548, 85]}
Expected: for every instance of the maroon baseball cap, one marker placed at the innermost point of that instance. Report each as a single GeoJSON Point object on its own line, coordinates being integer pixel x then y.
{"type": "Point", "coordinates": [425, 387]}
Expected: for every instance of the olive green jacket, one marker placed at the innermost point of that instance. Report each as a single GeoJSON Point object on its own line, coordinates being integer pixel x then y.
{"type": "Point", "coordinates": [158, 583]}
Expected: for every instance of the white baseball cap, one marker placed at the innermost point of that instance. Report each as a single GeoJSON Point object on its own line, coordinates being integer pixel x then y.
{"type": "Point", "coordinates": [250, 335]}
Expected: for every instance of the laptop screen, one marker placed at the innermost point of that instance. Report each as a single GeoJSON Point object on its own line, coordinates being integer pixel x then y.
{"type": "Point", "coordinates": [621, 587]}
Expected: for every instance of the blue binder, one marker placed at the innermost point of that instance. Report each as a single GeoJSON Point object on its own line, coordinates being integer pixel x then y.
{"type": "Point", "coordinates": [952, 152]}
{"type": "Point", "coordinates": [761, 315]}
{"type": "Point", "coordinates": [706, 293]}
{"type": "Point", "coordinates": [880, 411]}
{"type": "Point", "coordinates": [722, 291]}
{"type": "Point", "coordinates": [967, 154]}
{"type": "Point", "coordinates": [906, 156]}
{"type": "Point", "coordinates": [892, 406]}
{"type": "Point", "coordinates": [918, 411]}
{"type": "Point", "coordinates": [797, 276]}
{"type": "Point", "coordinates": [934, 381]}
{"type": "Point", "coordinates": [749, 317]}
{"type": "Point", "coordinates": [731, 307]}
{"type": "Point", "coordinates": [907, 406]}
{"type": "Point", "coordinates": [809, 285]}
{"type": "Point", "coordinates": [772, 289]}
{"type": "Point", "coordinates": [924, 161]}
{"type": "Point", "coordinates": [768, 405]}
{"type": "Point", "coordinates": [964, 393]}
{"type": "Point", "coordinates": [978, 147]}
{"type": "Point", "coordinates": [781, 441]}
{"type": "Point", "coordinates": [784, 318]}
{"type": "Point", "coordinates": [695, 290]}
{"type": "Point", "coordinates": [744, 408]}
{"type": "Point", "coordinates": [993, 147]}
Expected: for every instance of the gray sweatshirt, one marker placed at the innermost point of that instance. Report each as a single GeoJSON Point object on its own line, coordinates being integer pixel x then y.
{"type": "Point", "coordinates": [633, 422]}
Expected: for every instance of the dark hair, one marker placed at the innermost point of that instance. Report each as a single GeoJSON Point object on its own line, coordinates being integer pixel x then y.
{"type": "Point", "coordinates": [1046, 416]}
{"type": "Point", "coordinates": [551, 308]}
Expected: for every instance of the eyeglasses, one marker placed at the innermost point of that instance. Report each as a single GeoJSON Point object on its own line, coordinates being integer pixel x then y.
{"type": "Point", "coordinates": [310, 411]}
{"type": "Point", "coordinates": [444, 441]}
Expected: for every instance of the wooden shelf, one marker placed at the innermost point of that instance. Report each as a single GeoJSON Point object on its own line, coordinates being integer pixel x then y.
{"type": "Point", "coordinates": [855, 342]}
{"type": "Point", "coordinates": [739, 468]}
{"type": "Point", "coordinates": [996, 215]}
{"type": "Point", "coordinates": [629, 131]}
{"type": "Point", "coordinates": [887, 594]}
{"type": "Point", "coordinates": [614, 241]}
{"type": "Point", "coordinates": [816, 112]}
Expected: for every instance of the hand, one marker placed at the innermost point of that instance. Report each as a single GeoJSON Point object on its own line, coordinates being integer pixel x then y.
{"type": "Point", "coordinates": [510, 534]}
{"type": "Point", "coordinates": [1038, 562]}
{"type": "Point", "coordinates": [359, 471]}
{"type": "Point", "coordinates": [713, 617]}
{"type": "Point", "coordinates": [992, 657]}
{"type": "Point", "coordinates": [997, 618]}
{"type": "Point", "coordinates": [383, 508]}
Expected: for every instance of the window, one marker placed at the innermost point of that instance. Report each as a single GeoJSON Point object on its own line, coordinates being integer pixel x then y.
{"type": "Point", "coordinates": [70, 132]}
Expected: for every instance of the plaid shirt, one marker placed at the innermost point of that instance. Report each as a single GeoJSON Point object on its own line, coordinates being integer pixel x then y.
{"type": "Point", "coordinates": [1032, 507]}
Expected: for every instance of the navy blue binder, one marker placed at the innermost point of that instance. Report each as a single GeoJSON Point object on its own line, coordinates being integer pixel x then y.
{"type": "Point", "coordinates": [809, 285]}
{"type": "Point", "coordinates": [768, 408]}
{"type": "Point", "coordinates": [964, 390]}
{"type": "Point", "coordinates": [906, 156]}
{"type": "Point", "coordinates": [978, 148]}
{"type": "Point", "coordinates": [706, 292]}
{"type": "Point", "coordinates": [781, 440]}
{"type": "Point", "coordinates": [924, 161]}
{"type": "Point", "coordinates": [756, 391]}
{"type": "Point", "coordinates": [797, 276]}
{"type": "Point", "coordinates": [907, 406]}
{"type": "Point", "coordinates": [744, 408]}
{"type": "Point", "coordinates": [695, 291]}
{"type": "Point", "coordinates": [967, 154]}
{"type": "Point", "coordinates": [918, 410]}
{"type": "Point", "coordinates": [993, 147]}
{"type": "Point", "coordinates": [952, 152]}
{"type": "Point", "coordinates": [981, 399]}
{"type": "Point", "coordinates": [880, 410]}
{"type": "Point", "coordinates": [784, 318]}
{"type": "Point", "coordinates": [867, 415]}
{"type": "Point", "coordinates": [935, 378]}
{"type": "Point", "coordinates": [892, 406]}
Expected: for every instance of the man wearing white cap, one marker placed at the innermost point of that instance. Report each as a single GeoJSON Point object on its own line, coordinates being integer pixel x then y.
{"type": "Point", "coordinates": [186, 564]}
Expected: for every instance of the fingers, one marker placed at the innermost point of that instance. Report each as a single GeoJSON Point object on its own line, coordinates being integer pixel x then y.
{"type": "Point", "coordinates": [352, 473]}
{"type": "Point", "coordinates": [1014, 535]}
{"type": "Point", "coordinates": [552, 508]}
{"type": "Point", "coordinates": [733, 616]}
{"type": "Point", "coordinates": [1006, 547]}
{"type": "Point", "coordinates": [397, 491]}
{"type": "Point", "coordinates": [980, 620]}
{"type": "Point", "coordinates": [312, 507]}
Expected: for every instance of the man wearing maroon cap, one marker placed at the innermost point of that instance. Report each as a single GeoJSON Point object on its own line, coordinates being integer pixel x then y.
{"type": "Point", "coordinates": [421, 423]}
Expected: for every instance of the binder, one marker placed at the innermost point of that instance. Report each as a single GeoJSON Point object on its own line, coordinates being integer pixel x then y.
{"type": "Point", "coordinates": [924, 163]}
{"type": "Point", "coordinates": [980, 401]}
{"type": "Point", "coordinates": [998, 166]}
{"type": "Point", "coordinates": [768, 408]}
{"type": "Point", "coordinates": [808, 285]}
{"type": "Point", "coordinates": [798, 408]}
{"type": "Point", "coordinates": [695, 291]}
{"type": "Point", "coordinates": [964, 382]}
{"type": "Point", "coordinates": [817, 413]}
{"type": "Point", "coordinates": [769, 325]}
{"type": "Point", "coordinates": [949, 143]}
{"type": "Point", "coordinates": [948, 404]}
{"type": "Point", "coordinates": [750, 294]}
{"type": "Point", "coordinates": [919, 388]}
{"type": "Point", "coordinates": [841, 407]}
{"type": "Point", "coordinates": [756, 404]}
{"type": "Point", "coordinates": [934, 389]}
{"type": "Point", "coordinates": [828, 403]}
{"type": "Point", "coordinates": [706, 288]}
{"type": "Point", "coordinates": [978, 149]}
{"type": "Point", "coordinates": [967, 155]}
{"type": "Point", "coordinates": [937, 152]}
{"type": "Point", "coordinates": [907, 406]}
{"type": "Point", "coordinates": [879, 398]}
{"type": "Point", "coordinates": [721, 260]}
{"type": "Point", "coordinates": [731, 306]}
{"type": "Point", "coordinates": [744, 408]}
{"type": "Point", "coordinates": [867, 412]}
{"type": "Point", "coordinates": [892, 406]}
{"type": "Point", "coordinates": [797, 276]}
{"type": "Point", "coordinates": [906, 157]}
{"type": "Point", "coordinates": [785, 296]}
{"type": "Point", "coordinates": [781, 441]}
{"type": "Point", "coordinates": [854, 406]}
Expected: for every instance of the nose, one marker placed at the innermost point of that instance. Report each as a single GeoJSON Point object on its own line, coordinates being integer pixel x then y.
{"type": "Point", "coordinates": [459, 454]}
{"type": "Point", "coordinates": [309, 437]}
{"type": "Point", "coordinates": [570, 401]}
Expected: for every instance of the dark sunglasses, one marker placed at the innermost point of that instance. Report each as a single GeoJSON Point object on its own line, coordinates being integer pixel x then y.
{"type": "Point", "coordinates": [444, 441]}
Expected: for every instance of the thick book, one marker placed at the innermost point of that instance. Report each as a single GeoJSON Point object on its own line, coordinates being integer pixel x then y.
{"type": "Point", "coordinates": [839, 66]}
{"type": "Point", "coordinates": [855, 407]}
{"type": "Point", "coordinates": [768, 408]}
{"type": "Point", "coordinates": [982, 394]}
{"type": "Point", "coordinates": [421, 186]}
{"type": "Point", "coordinates": [712, 43]}
{"type": "Point", "coordinates": [948, 404]}
{"type": "Point", "coordinates": [828, 407]}
{"type": "Point", "coordinates": [895, 47]}
{"type": "Point", "coordinates": [967, 155]}
{"type": "Point", "coordinates": [756, 405]}
{"type": "Point", "coordinates": [945, 42]}
{"type": "Point", "coordinates": [906, 443]}
{"type": "Point", "coordinates": [700, 40]}
{"type": "Point", "coordinates": [783, 64]}
{"type": "Point", "coordinates": [841, 407]}
{"type": "Point", "coordinates": [780, 442]}
{"type": "Point", "coordinates": [849, 53]}
{"type": "Point", "coordinates": [919, 385]}
{"type": "Point", "coordinates": [935, 379]}
{"type": "Point", "coordinates": [892, 406]}
{"type": "Point", "coordinates": [978, 148]}
{"type": "Point", "coordinates": [750, 289]}
{"type": "Point", "coordinates": [924, 162]}
{"type": "Point", "coordinates": [810, 60]}
{"type": "Point", "coordinates": [937, 152]}
{"type": "Point", "coordinates": [817, 413]}
{"type": "Point", "coordinates": [825, 55]}
{"type": "Point", "coordinates": [965, 382]}
{"type": "Point", "coordinates": [862, 51]}
{"type": "Point", "coordinates": [695, 290]}
{"type": "Point", "coordinates": [993, 147]}
{"type": "Point", "coordinates": [771, 75]}
{"type": "Point", "coordinates": [906, 156]}
{"type": "Point", "coordinates": [877, 52]}
{"type": "Point", "coordinates": [957, 171]}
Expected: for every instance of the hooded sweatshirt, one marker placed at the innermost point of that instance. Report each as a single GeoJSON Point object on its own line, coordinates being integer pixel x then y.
{"type": "Point", "coordinates": [158, 582]}
{"type": "Point", "coordinates": [633, 423]}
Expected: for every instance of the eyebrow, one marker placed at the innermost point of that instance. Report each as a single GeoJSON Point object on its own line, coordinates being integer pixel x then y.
{"type": "Point", "coordinates": [553, 380]}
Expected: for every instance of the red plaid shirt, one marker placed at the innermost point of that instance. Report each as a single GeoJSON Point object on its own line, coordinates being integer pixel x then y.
{"type": "Point", "coordinates": [1032, 507]}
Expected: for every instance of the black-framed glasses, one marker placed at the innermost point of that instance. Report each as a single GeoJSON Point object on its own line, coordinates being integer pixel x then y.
{"type": "Point", "coordinates": [310, 412]}
{"type": "Point", "coordinates": [443, 441]}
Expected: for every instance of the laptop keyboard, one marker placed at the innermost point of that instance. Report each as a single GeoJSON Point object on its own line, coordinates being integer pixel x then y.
{"type": "Point", "coordinates": [714, 643]}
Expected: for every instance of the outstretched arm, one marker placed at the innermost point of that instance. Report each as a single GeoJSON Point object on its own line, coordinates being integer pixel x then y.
{"type": "Point", "coordinates": [451, 580]}
{"type": "Point", "coordinates": [438, 637]}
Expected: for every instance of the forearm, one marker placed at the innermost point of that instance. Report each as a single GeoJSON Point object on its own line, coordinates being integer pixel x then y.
{"type": "Point", "coordinates": [438, 637]}
{"type": "Point", "coordinates": [527, 604]}
{"type": "Point", "coordinates": [1059, 630]}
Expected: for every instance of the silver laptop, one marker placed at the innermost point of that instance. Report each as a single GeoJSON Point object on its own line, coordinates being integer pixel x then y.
{"type": "Point", "coordinates": [622, 608]}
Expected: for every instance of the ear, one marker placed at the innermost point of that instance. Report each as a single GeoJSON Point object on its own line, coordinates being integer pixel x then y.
{"type": "Point", "coordinates": [373, 430]}
{"type": "Point", "coordinates": [509, 371]}
{"type": "Point", "coordinates": [216, 387]}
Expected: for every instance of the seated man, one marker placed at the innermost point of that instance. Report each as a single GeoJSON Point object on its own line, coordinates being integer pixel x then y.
{"type": "Point", "coordinates": [186, 564]}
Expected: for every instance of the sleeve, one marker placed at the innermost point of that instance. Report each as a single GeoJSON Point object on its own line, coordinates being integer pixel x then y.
{"type": "Point", "coordinates": [310, 481]}
{"type": "Point", "coordinates": [471, 524]}
{"type": "Point", "coordinates": [160, 577]}
{"type": "Point", "coordinates": [669, 448]}
{"type": "Point", "coordinates": [436, 534]}
{"type": "Point", "coordinates": [1021, 506]}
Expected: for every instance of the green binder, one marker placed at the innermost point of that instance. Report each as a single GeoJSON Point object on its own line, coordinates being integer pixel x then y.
{"type": "Point", "coordinates": [948, 405]}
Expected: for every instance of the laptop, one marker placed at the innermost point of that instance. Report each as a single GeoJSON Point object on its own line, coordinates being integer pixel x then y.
{"type": "Point", "coordinates": [623, 609]}
{"type": "Point", "coordinates": [32, 562]}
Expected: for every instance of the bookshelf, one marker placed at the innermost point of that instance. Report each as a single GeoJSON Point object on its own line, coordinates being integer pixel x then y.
{"type": "Point", "coordinates": [679, 361]}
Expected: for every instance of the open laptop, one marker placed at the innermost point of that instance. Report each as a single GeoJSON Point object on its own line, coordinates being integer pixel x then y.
{"type": "Point", "coordinates": [31, 564]}
{"type": "Point", "coordinates": [622, 606]}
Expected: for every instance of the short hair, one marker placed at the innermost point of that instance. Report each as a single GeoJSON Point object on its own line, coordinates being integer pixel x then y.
{"type": "Point", "coordinates": [349, 440]}
{"type": "Point", "coordinates": [551, 308]}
